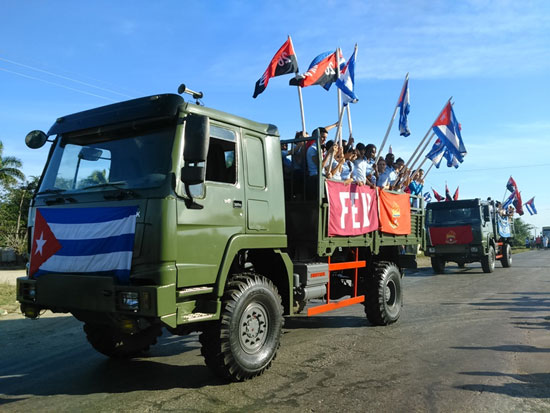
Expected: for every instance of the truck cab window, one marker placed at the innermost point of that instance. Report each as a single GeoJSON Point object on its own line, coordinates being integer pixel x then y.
{"type": "Point", "coordinates": [221, 161]}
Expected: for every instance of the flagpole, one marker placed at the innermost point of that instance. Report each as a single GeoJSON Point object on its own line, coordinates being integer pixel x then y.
{"type": "Point", "coordinates": [429, 169]}
{"type": "Point", "coordinates": [391, 121]}
{"type": "Point", "coordinates": [349, 120]}
{"type": "Point", "coordinates": [300, 98]}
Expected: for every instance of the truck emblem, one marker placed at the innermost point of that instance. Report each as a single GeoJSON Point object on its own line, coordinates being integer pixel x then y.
{"type": "Point", "coordinates": [450, 237]}
{"type": "Point", "coordinates": [395, 213]}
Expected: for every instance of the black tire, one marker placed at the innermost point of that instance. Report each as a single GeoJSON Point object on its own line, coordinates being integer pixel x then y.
{"type": "Point", "coordinates": [506, 259]}
{"type": "Point", "coordinates": [109, 341]}
{"type": "Point", "coordinates": [488, 261]}
{"type": "Point", "coordinates": [384, 297]}
{"type": "Point", "coordinates": [244, 342]}
{"type": "Point", "coordinates": [438, 265]}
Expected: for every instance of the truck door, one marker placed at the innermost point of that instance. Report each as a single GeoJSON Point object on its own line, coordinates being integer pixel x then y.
{"type": "Point", "coordinates": [202, 234]}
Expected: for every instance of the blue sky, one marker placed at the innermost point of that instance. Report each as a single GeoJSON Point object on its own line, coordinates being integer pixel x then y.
{"type": "Point", "coordinates": [493, 57]}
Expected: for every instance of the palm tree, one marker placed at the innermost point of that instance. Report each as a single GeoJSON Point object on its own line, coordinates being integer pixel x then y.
{"type": "Point", "coordinates": [10, 169]}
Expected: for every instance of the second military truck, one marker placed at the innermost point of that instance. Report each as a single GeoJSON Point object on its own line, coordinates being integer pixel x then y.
{"type": "Point", "coordinates": [468, 230]}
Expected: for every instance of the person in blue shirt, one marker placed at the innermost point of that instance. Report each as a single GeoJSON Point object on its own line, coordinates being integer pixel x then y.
{"type": "Point", "coordinates": [416, 186]}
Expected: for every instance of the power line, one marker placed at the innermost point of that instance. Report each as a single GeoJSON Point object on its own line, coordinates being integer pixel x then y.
{"type": "Point", "coordinates": [57, 84]}
{"type": "Point", "coordinates": [65, 78]}
{"type": "Point", "coordinates": [499, 168]}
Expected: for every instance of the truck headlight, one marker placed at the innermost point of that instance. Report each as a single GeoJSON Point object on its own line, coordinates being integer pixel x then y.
{"type": "Point", "coordinates": [474, 249]}
{"type": "Point", "coordinates": [128, 300]}
{"type": "Point", "coordinates": [431, 249]}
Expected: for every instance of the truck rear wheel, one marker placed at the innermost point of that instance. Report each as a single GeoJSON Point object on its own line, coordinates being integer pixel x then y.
{"type": "Point", "coordinates": [384, 296]}
{"type": "Point", "coordinates": [244, 342]}
{"type": "Point", "coordinates": [488, 261]}
{"type": "Point", "coordinates": [506, 259]}
{"type": "Point", "coordinates": [438, 265]}
{"type": "Point", "coordinates": [112, 343]}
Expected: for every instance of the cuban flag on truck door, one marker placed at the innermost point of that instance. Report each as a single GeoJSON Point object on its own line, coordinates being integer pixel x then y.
{"type": "Point", "coordinates": [97, 241]}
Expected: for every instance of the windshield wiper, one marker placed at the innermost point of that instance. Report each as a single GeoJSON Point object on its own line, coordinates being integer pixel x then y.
{"type": "Point", "coordinates": [51, 191]}
{"type": "Point", "coordinates": [116, 184]}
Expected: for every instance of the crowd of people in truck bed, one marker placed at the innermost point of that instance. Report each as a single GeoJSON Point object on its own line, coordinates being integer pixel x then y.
{"type": "Point", "coordinates": [349, 163]}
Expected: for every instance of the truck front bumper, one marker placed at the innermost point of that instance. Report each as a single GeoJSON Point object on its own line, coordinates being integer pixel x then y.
{"type": "Point", "coordinates": [466, 253]}
{"type": "Point", "coordinates": [73, 293]}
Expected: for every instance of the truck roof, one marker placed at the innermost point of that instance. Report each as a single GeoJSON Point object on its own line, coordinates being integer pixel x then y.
{"type": "Point", "coordinates": [462, 203]}
{"type": "Point", "coordinates": [156, 107]}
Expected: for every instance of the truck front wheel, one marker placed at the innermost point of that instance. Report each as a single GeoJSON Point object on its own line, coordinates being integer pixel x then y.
{"type": "Point", "coordinates": [244, 342]}
{"type": "Point", "coordinates": [115, 344]}
{"type": "Point", "coordinates": [384, 296]}
{"type": "Point", "coordinates": [488, 261]}
{"type": "Point", "coordinates": [438, 265]}
{"type": "Point", "coordinates": [506, 259]}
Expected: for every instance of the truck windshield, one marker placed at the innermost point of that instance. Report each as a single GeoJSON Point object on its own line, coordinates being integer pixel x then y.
{"type": "Point", "coordinates": [455, 216]}
{"type": "Point", "coordinates": [92, 163]}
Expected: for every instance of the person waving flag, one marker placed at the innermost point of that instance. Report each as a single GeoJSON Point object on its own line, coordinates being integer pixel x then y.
{"type": "Point", "coordinates": [282, 63]}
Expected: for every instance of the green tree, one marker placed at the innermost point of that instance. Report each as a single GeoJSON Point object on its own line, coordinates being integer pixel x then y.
{"type": "Point", "coordinates": [522, 230]}
{"type": "Point", "coordinates": [10, 169]}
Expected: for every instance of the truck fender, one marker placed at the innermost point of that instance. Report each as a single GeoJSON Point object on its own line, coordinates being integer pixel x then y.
{"type": "Point", "coordinates": [271, 244]}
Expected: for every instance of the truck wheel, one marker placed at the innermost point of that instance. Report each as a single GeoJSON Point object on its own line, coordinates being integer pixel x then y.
{"type": "Point", "coordinates": [438, 265]}
{"type": "Point", "coordinates": [112, 343]}
{"type": "Point", "coordinates": [244, 342]}
{"type": "Point", "coordinates": [488, 261]}
{"type": "Point", "coordinates": [506, 259]}
{"type": "Point", "coordinates": [384, 297]}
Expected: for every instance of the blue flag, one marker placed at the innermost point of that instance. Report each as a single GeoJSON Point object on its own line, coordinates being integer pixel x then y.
{"type": "Point", "coordinates": [404, 109]}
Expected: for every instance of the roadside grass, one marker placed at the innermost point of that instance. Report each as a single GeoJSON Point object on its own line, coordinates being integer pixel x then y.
{"type": "Point", "coordinates": [8, 302]}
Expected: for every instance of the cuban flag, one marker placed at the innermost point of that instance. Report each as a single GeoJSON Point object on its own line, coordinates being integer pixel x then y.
{"type": "Point", "coordinates": [346, 81]}
{"type": "Point", "coordinates": [447, 129]}
{"type": "Point", "coordinates": [427, 197]}
{"type": "Point", "coordinates": [530, 205]}
{"type": "Point", "coordinates": [97, 241]}
{"type": "Point", "coordinates": [404, 109]}
{"type": "Point", "coordinates": [510, 200]}
{"type": "Point", "coordinates": [323, 70]}
{"type": "Point", "coordinates": [511, 185]}
{"type": "Point", "coordinates": [437, 153]}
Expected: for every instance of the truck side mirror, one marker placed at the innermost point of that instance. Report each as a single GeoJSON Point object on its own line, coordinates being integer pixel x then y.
{"type": "Point", "coordinates": [36, 139]}
{"type": "Point", "coordinates": [195, 150]}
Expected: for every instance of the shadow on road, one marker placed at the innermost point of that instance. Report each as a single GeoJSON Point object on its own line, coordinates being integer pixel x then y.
{"type": "Point", "coordinates": [299, 322]}
{"type": "Point", "coordinates": [519, 348]}
{"type": "Point", "coordinates": [524, 385]}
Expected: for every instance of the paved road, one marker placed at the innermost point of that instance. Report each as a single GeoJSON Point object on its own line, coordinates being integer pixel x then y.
{"type": "Point", "coordinates": [466, 341]}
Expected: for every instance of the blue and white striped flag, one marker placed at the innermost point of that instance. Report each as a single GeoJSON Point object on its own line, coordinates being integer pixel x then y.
{"type": "Point", "coordinates": [530, 205]}
{"type": "Point", "coordinates": [97, 241]}
{"type": "Point", "coordinates": [404, 109]}
{"type": "Point", "coordinates": [346, 80]}
{"type": "Point", "coordinates": [427, 197]}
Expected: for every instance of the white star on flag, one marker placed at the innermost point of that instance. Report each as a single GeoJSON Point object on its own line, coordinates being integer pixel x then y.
{"type": "Point", "coordinates": [40, 243]}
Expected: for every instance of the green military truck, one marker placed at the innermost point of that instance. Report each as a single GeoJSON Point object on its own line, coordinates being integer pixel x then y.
{"type": "Point", "coordinates": [469, 230]}
{"type": "Point", "coordinates": [206, 232]}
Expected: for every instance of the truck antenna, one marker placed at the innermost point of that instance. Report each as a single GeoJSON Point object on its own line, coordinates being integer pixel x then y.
{"type": "Point", "coordinates": [196, 95]}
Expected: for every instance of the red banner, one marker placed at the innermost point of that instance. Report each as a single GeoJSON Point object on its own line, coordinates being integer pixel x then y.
{"type": "Point", "coordinates": [352, 209]}
{"type": "Point", "coordinates": [395, 213]}
{"type": "Point", "coordinates": [451, 235]}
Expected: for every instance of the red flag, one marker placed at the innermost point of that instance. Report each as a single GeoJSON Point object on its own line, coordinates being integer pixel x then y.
{"type": "Point", "coordinates": [322, 70]}
{"type": "Point", "coordinates": [455, 196]}
{"type": "Point", "coordinates": [437, 196]}
{"type": "Point", "coordinates": [282, 63]}
{"type": "Point", "coordinates": [395, 213]}
{"type": "Point", "coordinates": [511, 185]}
{"type": "Point", "coordinates": [447, 194]}
{"type": "Point", "coordinates": [518, 204]}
